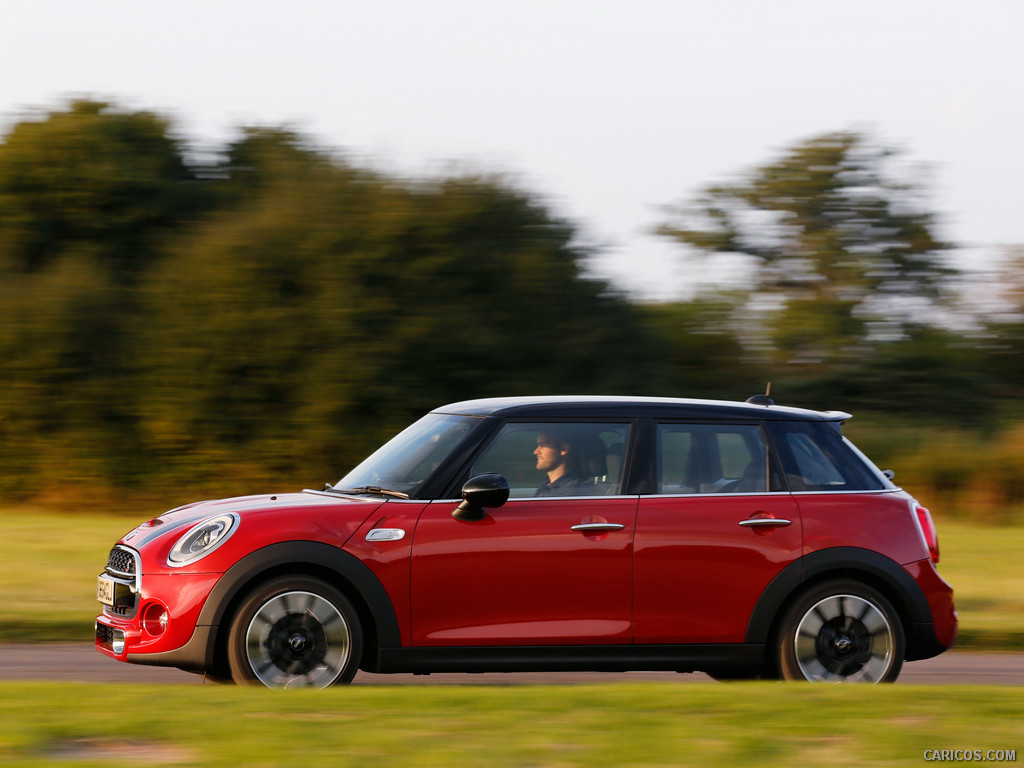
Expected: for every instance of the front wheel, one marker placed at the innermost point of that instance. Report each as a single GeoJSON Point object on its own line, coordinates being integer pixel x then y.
{"type": "Point", "coordinates": [293, 632]}
{"type": "Point", "coordinates": [841, 632]}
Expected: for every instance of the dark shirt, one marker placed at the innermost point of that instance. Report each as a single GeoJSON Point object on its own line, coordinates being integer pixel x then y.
{"type": "Point", "coordinates": [566, 485]}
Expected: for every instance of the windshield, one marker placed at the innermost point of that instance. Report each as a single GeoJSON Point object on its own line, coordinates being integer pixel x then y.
{"type": "Point", "coordinates": [410, 457]}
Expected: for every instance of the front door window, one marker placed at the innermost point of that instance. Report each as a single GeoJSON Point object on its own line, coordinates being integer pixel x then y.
{"type": "Point", "coordinates": [557, 459]}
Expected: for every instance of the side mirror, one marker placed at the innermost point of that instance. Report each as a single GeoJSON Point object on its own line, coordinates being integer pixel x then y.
{"type": "Point", "coordinates": [479, 494]}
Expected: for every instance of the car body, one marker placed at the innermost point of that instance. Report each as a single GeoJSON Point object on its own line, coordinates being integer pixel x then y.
{"type": "Point", "coordinates": [741, 539]}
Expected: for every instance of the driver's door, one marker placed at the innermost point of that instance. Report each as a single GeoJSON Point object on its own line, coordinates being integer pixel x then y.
{"type": "Point", "coordinates": [538, 570]}
{"type": "Point", "coordinates": [523, 575]}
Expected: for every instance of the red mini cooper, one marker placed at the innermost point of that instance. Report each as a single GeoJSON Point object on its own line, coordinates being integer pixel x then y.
{"type": "Point", "coordinates": [550, 533]}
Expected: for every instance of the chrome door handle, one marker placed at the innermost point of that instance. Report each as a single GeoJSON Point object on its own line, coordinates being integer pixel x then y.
{"type": "Point", "coordinates": [764, 522]}
{"type": "Point", "coordinates": [598, 527]}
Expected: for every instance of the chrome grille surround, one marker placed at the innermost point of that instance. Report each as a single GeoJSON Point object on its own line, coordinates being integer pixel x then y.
{"type": "Point", "coordinates": [123, 562]}
{"type": "Point", "coordinates": [124, 565]}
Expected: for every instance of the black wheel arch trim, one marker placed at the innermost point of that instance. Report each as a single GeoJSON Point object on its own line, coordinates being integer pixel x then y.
{"type": "Point", "coordinates": [198, 655]}
{"type": "Point", "coordinates": [845, 561]}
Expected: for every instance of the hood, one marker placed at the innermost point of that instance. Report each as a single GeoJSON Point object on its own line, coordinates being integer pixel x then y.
{"type": "Point", "coordinates": [297, 507]}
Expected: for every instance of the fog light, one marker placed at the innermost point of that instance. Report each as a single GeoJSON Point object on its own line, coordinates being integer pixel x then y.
{"type": "Point", "coordinates": [154, 619]}
{"type": "Point", "coordinates": [117, 642]}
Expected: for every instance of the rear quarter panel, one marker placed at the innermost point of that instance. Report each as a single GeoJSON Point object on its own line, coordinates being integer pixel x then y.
{"type": "Point", "coordinates": [881, 521]}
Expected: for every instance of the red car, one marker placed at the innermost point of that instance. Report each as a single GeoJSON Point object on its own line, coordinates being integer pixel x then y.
{"type": "Point", "coordinates": [550, 533]}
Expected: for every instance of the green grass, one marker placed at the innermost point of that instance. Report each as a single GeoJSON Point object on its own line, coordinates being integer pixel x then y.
{"type": "Point", "coordinates": [622, 725]}
{"type": "Point", "coordinates": [49, 563]}
{"type": "Point", "coordinates": [984, 566]}
{"type": "Point", "coordinates": [48, 568]}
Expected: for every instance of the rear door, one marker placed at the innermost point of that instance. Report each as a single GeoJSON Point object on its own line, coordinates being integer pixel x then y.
{"type": "Point", "coordinates": [717, 529]}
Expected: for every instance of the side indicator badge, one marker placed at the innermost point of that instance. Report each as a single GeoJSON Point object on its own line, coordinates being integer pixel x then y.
{"type": "Point", "coordinates": [385, 534]}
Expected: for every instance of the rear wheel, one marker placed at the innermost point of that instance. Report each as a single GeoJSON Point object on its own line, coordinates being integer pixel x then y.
{"type": "Point", "coordinates": [293, 632]}
{"type": "Point", "coordinates": [841, 632]}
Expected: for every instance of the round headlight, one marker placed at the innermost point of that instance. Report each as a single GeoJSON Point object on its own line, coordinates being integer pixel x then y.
{"type": "Point", "coordinates": [201, 539]}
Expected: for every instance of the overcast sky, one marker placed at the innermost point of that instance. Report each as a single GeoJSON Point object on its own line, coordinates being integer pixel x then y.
{"type": "Point", "coordinates": [609, 110]}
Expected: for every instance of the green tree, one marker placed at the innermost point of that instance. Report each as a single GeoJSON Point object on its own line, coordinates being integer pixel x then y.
{"type": "Point", "coordinates": [328, 306]}
{"type": "Point", "coordinates": [1000, 316]}
{"type": "Point", "coordinates": [92, 180]}
{"type": "Point", "coordinates": [701, 354]}
{"type": "Point", "coordinates": [841, 253]}
{"type": "Point", "coordinates": [89, 196]}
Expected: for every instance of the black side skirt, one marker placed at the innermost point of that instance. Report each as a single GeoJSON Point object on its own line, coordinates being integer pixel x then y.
{"type": "Point", "coordinates": [725, 657]}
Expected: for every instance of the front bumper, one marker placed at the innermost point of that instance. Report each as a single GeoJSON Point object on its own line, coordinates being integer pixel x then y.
{"type": "Point", "coordinates": [163, 618]}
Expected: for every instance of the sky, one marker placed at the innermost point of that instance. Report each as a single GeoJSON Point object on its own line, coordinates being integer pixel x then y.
{"type": "Point", "coordinates": [608, 111]}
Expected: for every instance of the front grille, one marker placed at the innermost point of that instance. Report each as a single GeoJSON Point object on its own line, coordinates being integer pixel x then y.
{"type": "Point", "coordinates": [121, 563]}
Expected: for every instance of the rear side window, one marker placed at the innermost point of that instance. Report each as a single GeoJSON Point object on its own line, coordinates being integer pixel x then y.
{"type": "Point", "coordinates": [813, 466]}
{"type": "Point", "coordinates": [816, 458]}
{"type": "Point", "coordinates": [712, 458]}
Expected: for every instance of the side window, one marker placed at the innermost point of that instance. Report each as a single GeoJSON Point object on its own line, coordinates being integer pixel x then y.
{"type": "Point", "coordinates": [712, 458]}
{"type": "Point", "coordinates": [816, 458]}
{"type": "Point", "coordinates": [674, 461]}
{"type": "Point", "coordinates": [557, 459]}
{"type": "Point", "coordinates": [813, 466]}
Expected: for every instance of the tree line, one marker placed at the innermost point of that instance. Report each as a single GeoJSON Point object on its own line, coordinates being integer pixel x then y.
{"type": "Point", "coordinates": [269, 312]}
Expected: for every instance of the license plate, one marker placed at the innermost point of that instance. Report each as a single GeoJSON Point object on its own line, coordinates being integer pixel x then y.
{"type": "Point", "coordinates": [105, 590]}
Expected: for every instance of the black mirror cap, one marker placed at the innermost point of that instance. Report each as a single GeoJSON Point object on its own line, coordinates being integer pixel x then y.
{"type": "Point", "coordinates": [479, 494]}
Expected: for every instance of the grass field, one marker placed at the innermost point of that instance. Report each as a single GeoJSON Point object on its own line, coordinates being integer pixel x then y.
{"type": "Point", "coordinates": [984, 566]}
{"type": "Point", "coordinates": [49, 563]}
{"type": "Point", "coordinates": [622, 725]}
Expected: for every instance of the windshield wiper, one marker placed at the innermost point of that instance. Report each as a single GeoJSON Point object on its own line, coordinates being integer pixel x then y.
{"type": "Point", "coordinates": [375, 490]}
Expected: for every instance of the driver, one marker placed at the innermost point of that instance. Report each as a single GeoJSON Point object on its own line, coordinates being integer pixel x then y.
{"type": "Point", "coordinates": [556, 458]}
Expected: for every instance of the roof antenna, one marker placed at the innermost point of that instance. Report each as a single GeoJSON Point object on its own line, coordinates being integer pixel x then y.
{"type": "Point", "coordinates": [764, 399]}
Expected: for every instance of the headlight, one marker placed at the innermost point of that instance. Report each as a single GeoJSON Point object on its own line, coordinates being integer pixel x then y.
{"type": "Point", "coordinates": [201, 539]}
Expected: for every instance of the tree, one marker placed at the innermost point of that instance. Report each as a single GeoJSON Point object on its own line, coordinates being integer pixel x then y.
{"type": "Point", "coordinates": [329, 306]}
{"type": "Point", "coordinates": [999, 313]}
{"type": "Point", "coordinates": [92, 180]}
{"type": "Point", "coordinates": [698, 350]}
{"type": "Point", "coordinates": [89, 197]}
{"type": "Point", "coordinates": [841, 253]}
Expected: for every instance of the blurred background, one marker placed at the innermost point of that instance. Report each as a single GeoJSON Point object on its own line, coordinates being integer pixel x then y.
{"type": "Point", "coordinates": [192, 309]}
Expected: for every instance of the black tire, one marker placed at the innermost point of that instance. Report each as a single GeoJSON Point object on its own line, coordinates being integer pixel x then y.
{"type": "Point", "coordinates": [841, 631]}
{"type": "Point", "coordinates": [295, 631]}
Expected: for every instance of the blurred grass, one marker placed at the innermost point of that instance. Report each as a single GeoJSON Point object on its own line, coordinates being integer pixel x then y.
{"type": "Point", "coordinates": [620, 725]}
{"type": "Point", "coordinates": [48, 568]}
{"type": "Point", "coordinates": [49, 563]}
{"type": "Point", "coordinates": [983, 563]}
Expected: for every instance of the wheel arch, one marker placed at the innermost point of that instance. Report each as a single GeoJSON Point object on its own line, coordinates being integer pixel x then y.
{"type": "Point", "coordinates": [871, 568]}
{"type": "Point", "coordinates": [338, 568]}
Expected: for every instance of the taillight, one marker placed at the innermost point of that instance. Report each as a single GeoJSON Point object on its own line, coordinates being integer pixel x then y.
{"type": "Point", "coordinates": [931, 536]}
